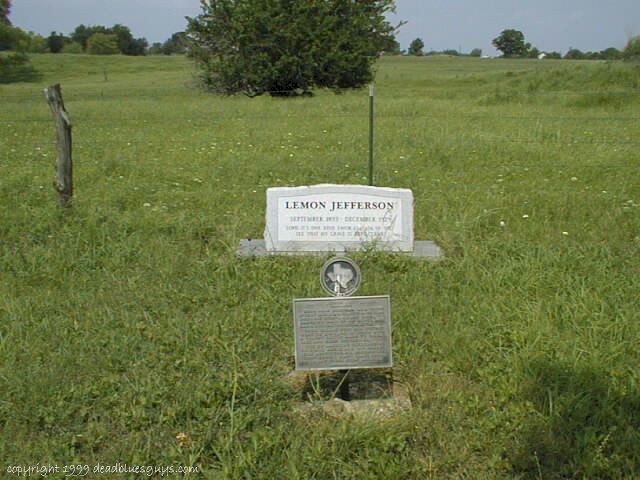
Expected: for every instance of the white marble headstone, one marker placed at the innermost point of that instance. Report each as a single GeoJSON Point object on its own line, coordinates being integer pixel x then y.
{"type": "Point", "coordinates": [338, 218]}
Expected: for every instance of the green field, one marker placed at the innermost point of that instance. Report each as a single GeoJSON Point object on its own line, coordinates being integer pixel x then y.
{"type": "Point", "coordinates": [131, 333]}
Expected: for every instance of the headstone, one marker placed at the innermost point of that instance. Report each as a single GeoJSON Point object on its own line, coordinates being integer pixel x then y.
{"type": "Point", "coordinates": [338, 218]}
{"type": "Point", "coordinates": [342, 333]}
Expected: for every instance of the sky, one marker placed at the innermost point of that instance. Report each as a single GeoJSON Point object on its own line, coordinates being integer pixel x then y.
{"type": "Point", "coordinates": [463, 25]}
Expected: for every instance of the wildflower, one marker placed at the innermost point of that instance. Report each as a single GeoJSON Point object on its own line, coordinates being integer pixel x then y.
{"type": "Point", "coordinates": [146, 204]}
{"type": "Point", "coordinates": [181, 438]}
{"type": "Point", "coordinates": [503, 223]}
{"type": "Point", "coordinates": [525, 216]}
{"type": "Point", "coordinates": [565, 233]}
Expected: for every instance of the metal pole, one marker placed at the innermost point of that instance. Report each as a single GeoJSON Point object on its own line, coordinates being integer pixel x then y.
{"type": "Point", "coordinates": [371, 94]}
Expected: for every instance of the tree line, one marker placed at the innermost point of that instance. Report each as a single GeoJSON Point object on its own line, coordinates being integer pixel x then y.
{"type": "Point", "coordinates": [511, 43]}
{"type": "Point", "coordinates": [93, 39]}
{"type": "Point", "coordinates": [279, 47]}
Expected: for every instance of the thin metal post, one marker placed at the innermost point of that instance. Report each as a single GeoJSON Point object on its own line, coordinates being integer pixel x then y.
{"type": "Point", "coordinates": [371, 95]}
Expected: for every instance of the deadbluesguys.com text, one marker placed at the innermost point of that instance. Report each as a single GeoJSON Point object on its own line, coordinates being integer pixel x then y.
{"type": "Point", "coordinates": [80, 470]}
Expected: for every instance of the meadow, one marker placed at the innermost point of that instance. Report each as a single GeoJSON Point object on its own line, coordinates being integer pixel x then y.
{"type": "Point", "coordinates": [132, 333]}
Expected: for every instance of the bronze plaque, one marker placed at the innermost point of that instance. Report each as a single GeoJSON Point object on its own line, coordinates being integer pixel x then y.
{"type": "Point", "coordinates": [342, 333]}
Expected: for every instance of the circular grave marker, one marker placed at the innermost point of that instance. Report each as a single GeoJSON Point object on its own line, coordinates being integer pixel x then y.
{"type": "Point", "coordinates": [340, 276]}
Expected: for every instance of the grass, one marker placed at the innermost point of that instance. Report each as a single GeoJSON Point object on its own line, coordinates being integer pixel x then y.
{"type": "Point", "coordinates": [130, 332]}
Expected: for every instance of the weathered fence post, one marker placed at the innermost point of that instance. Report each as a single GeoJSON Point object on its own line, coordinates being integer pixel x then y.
{"type": "Point", "coordinates": [63, 183]}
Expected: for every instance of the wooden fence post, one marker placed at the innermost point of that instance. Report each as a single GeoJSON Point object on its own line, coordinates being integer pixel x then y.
{"type": "Point", "coordinates": [63, 183]}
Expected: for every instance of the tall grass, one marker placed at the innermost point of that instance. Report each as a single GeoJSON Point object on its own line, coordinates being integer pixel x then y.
{"type": "Point", "coordinates": [130, 332]}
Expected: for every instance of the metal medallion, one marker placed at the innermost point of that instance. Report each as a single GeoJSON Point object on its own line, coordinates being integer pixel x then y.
{"type": "Point", "coordinates": [340, 276]}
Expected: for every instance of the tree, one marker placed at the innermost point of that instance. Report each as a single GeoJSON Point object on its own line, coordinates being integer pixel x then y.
{"type": "Point", "coordinates": [415, 47]}
{"type": "Point", "coordinates": [5, 9]}
{"type": "Point", "coordinates": [391, 46]}
{"type": "Point", "coordinates": [285, 46]}
{"type": "Point", "coordinates": [476, 52]}
{"type": "Point", "coordinates": [82, 33]}
{"type": "Point", "coordinates": [12, 38]}
{"type": "Point", "coordinates": [103, 44]}
{"type": "Point", "coordinates": [511, 43]}
{"type": "Point", "coordinates": [127, 45]}
{"type": "Point", "coordinates": [177, 44]}
{"type": "Point", "coordinates": [155, 49]}
{"type": "Point", "coordinates": [73, 47]}
{"type": "Point", "coordinates": [574, 54]}
{"type": "Point", "coordinates": [534, 53]}
{"type": "Point", "coordinates": [611, 53]}
{"type": "Point", "coordinates": [56, 42]}
{"type": "Point", "coordinates": [632, 50]}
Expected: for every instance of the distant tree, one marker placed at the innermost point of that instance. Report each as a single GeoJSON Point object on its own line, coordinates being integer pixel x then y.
{"type": "Point", "coordinates": [127, 44]}
{"type": "Point", "coordinates": [391, 46]}
{"type": "Point", "coordinates": [574, 54]}
{"type": "Point", "coordinates": [103, 44]}
{"type": "Point", "coordinates": [138, 47]}
{"type": "Point", "coordinates": [511, 43]}
{"type": "Point", "coordinates": [281, 47]}
{"type": "Point", "coordinates": [533, 52]}
{"type": "Point", "coordinates": [476, 52]}
{"type": "Point", "coordinates": [155, 49]}
{"type": "Point", "coordinates": [5, 9]}
{"type": "Point", "coordinates": [82, 33]}
{"type": "Point", "coordinates": [554, 55]}
{"type": "Point", "coordinates": [632, 50]}
{"type": "Point", "coordinates": [177, 44]}
{"type": "Point", "coordinates": [57, 41]}
{"type": "Point", "coordinates": [415, 47]}
{"type": "Point", "coordinates": [12, 38]}
{"type": "Point", "coordinates": [611, 53]}
{"type": "Point", "coordinates": [35, 43]}
{"type": "Point", "coordinates": [73, 47]}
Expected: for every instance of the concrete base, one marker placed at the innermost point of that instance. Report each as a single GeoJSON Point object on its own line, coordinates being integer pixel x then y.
{"type": "Point", "coordinates": [256, 248]}
{"type": "Point", "coordinates": [374, 394]}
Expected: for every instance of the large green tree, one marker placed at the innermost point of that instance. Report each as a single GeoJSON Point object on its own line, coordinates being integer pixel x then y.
{"type": "Point", "coordinates": [511, 43]}
{"type": "Point", "coordinates": [284, 46]}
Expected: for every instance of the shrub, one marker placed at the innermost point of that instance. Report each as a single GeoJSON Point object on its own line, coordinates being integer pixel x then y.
{"type": "Point", "coordinates": [16, 67]}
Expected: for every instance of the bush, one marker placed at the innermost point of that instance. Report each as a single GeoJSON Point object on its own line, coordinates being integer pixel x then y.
{"type": "Point", "coordinates": [16, 67]}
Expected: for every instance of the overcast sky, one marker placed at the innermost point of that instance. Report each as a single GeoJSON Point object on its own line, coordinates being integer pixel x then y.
{"type": "Point", "coordinates": [549, 25]}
